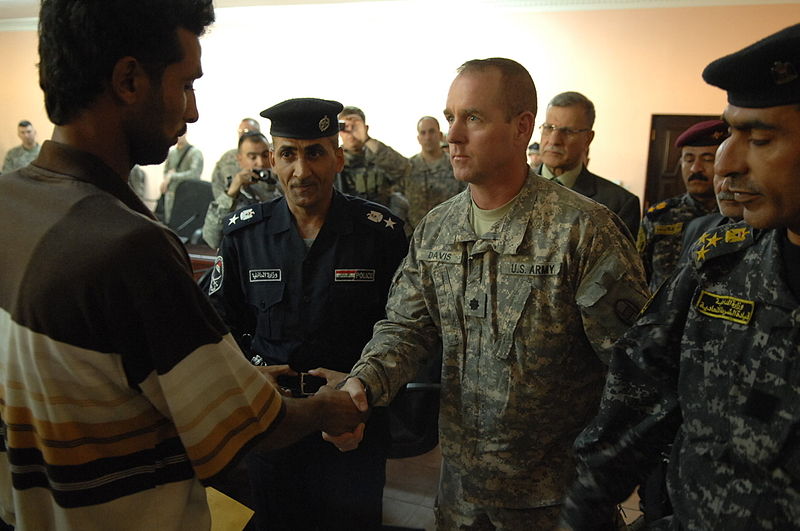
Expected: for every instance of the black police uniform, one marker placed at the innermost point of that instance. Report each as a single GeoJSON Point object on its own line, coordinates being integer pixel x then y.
{"type": "Point", "coordinates": [312, 307]}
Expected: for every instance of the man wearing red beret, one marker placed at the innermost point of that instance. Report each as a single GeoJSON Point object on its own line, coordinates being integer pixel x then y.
{"type": "Point", "coordinates": [661, 232]}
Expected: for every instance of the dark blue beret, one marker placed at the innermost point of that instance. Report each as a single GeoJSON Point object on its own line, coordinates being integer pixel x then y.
{"type": "Point", "coordinates": [765, 74]}
{"type": "Point", "coordinates": [708, 133]}
{"type": "Point", "coordinates": [304, 118]}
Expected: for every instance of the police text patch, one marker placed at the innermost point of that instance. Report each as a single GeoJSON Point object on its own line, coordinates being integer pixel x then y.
{"type": "Point", "coordinates": [668, 230]}
{"type": "Point", "coordinates": [725, 307]}
{"type": "Point", "coordinates": [354, 275]}
{"type": "Point", "coordinates": [443, 256]}
{"type": "Point", "coordinates": [265, 275]}
{"type": "Point", "coordinates": [530, 268]}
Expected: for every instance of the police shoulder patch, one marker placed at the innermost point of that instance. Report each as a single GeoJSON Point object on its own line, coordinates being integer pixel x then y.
{"type": "Point", "coordinates": [723, 240]}
{"type": "Point", "coordinates": [242, 218]}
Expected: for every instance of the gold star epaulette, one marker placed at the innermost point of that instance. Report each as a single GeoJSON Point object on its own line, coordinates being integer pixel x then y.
{"type": "Point", "coordinates": [662, 206]}
{"type": "Point", "coordinates": [721, 241]}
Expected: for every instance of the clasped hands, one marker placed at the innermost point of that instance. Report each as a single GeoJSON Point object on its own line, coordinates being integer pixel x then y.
{"type": "Point", "coordinates": [344, 405]}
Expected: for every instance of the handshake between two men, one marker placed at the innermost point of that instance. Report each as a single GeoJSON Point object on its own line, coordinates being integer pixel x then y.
{"type": "Point", "coordinates": [340, 414]}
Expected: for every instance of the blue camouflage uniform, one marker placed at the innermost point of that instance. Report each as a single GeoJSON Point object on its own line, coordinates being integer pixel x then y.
{"type": "Point", "coordinates": [711, 364]}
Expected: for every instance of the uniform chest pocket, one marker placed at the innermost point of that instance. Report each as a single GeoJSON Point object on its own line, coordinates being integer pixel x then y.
{"type": "Point", "coordinates": [271, 310]}
{"type": "Point", "coordinates": [510, 309]}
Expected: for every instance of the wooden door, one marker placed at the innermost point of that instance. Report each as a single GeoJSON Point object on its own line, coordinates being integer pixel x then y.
{"type": "Point", "coordinates": [663, 159]}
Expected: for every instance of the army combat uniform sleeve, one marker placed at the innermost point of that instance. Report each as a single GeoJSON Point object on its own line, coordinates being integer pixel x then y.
{"type": "Point", "coordinates": [409, 332]}
{"type": "Point", "coordinates": [219, 209]}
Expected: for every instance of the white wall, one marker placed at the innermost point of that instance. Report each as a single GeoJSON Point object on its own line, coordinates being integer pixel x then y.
{"type": "Point", "coordinates": [396, 59]}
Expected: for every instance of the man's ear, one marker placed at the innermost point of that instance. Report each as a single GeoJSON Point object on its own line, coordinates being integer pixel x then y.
{"type": "Point", "coordinates": [524, 126]}
{"type": "Point", "coordinates": [129, 81]}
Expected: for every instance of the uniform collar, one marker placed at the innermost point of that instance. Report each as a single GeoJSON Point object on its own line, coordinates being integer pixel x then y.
{"type": "Point", "coordinates": [691, 202]}
{"type": "Point", "coordinates": [338, 218]}
{"type": "Point", "coordinates": [511, 229]}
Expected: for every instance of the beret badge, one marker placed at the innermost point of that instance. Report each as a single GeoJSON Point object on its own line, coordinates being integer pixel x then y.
{"type": "Point", "coordinates": [783, 72]}
{"type": "Point", "coordinates": [324, 124]}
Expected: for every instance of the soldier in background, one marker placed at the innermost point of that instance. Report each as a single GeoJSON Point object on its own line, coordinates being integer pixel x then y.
{"type": "Point", "coordinates": [661, 232]}
{"type": "Point", "coordinates": [431, 179]}
{"type": "Point", "coordinates": [523, 286]}
{"type": "Point", "coordinates": [22, 155]}
{"type": "Point", "coordinates": [712, 364]}
{"type": "Point", "coordinates": [534, 156]}
{"type": "Point", "coordinates": [252, 183]}
{"type": "Point", "coordinates": [228, 163]}
{"type": "Point", "coordinates": [184, 162]}
{"type": "Point", "coordinates": [371, 168]}
{"type": "Point", "coordinates": [137, 180]}
{"type": "Point", "coordinates": [730, 211]}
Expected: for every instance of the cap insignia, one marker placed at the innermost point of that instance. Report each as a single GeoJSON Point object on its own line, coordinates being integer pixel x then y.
{"type": "Point", "coordinates": [324, 124]}
{"type": "Point", "coordinates": [783, 72]}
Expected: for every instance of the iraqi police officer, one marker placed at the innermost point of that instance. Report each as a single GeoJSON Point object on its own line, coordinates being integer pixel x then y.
{"type": "Point", "coordinates": [712, 364]}
{"type": "Point", "coordinates": [661, 232]}
{"type": "Point", "coordinates": [302, 279]}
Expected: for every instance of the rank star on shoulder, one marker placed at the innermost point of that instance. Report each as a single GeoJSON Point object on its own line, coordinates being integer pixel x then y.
{"type": "Point", "coordinates": [713, 240]}
{"type": "Point", "coordinates": [233, 219]}
{"type": "Point", "coordinates": [390, 223]}
{"type": "Point", "coordinates": [701, 254]}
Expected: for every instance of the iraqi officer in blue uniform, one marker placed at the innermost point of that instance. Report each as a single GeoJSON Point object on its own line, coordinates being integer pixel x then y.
{"type": "Point", "coordinates": [300, 281]}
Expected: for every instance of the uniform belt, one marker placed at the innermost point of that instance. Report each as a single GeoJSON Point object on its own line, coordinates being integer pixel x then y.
{"type": "Point", "coordinates": [301, 385]}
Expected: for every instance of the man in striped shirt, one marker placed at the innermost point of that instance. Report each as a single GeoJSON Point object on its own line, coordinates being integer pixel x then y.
{"type": "Point", "coordinates": [121, 391]}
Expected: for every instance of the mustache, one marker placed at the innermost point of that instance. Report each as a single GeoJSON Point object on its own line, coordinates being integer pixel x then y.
{"type": "Point", "coordinates": [725, 196]}
{"type": "Point", "coordinates": [698, 177]}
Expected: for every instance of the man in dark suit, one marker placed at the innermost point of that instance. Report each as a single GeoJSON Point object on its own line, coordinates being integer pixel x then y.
{"type": "Point", "coordinates": [566, 135]}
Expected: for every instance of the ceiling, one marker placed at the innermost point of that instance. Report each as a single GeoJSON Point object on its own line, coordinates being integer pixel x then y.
{"type": "Point", "coordinates": [30, 8]}
{"type": "Point", "coordinates": [14, 9]}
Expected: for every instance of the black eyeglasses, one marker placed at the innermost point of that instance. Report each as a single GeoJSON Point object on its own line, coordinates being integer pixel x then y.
{"type": "Point", "coordinates": [548, 129]}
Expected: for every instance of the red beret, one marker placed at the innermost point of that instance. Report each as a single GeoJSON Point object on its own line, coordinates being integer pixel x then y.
{"type": "Point", "coordinates": [708, 133]}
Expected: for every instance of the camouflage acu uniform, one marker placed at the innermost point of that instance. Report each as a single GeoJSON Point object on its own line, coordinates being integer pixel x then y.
{"type": "Point", "coordinates": [713, 365]}
{"type": "Point", "coordinates": [429, 184]}
{"type": "Point", "coordinates": [226, 166]}
{"type": "Point", "coordinates": [188, 164]}
{"type": "Point", "coordinates": [371, 175]}
{"type": "Point", "coordinates": [19, 157]}
{"type": "Point", "coordinates": [661, 235]}
{"type": "Point", "coordinates": [523, 316]}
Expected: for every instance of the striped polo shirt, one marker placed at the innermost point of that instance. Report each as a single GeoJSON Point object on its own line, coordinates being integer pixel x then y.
{"type": "Point", "coordinates": [120, 388]}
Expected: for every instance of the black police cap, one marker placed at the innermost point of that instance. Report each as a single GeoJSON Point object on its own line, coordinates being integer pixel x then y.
{"type": "Point", "coordinates": [304, 118]}
{"type": "Point", "coordinates": [765, 74]}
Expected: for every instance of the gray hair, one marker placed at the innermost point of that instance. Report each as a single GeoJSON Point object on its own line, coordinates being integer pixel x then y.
{"type": "Point", "coordinates": [568, 99]}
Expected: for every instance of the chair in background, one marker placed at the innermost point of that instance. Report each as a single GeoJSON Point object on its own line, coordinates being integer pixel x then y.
{"type": "Point", "coordinates": [192, 198]}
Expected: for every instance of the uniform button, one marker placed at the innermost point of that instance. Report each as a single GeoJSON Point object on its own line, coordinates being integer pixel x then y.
{"type": "Point", "coordinates": [306, 298]}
